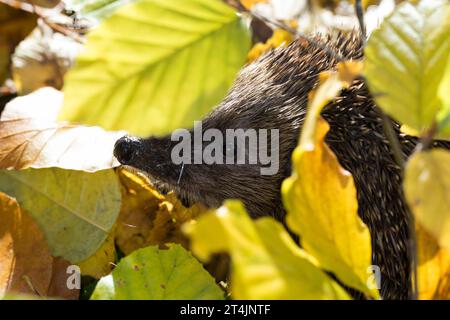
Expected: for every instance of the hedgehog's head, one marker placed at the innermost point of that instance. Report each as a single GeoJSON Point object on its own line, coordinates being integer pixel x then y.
{"type": "Point", "coordinates": [151, 155]}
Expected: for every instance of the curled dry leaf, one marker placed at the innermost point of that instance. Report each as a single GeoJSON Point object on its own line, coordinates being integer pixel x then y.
{"type": "Point", "coordinates": [26, 266]}
{"type": "Point", "coordinates": [30, 137]}
{"type": "Point", "coordinates": [149, 218]}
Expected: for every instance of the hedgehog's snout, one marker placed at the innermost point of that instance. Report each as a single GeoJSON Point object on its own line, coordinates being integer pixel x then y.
{"type": "Point", "coordinates": [126, 149]}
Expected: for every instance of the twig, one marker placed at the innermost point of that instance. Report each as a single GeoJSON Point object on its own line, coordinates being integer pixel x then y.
{"type": "Point", "coordinates": [30, 285]}
{"type": "Point", "coordinates": [238, 6]}
{"type": "Point", "coordinates": [413, 253]}
{"type": "Point", "coordinates": [360, 14]}
{"type": "Point", "coordinates": [393, 140]}
{"type": "Point", "coordinates": [31, 8]}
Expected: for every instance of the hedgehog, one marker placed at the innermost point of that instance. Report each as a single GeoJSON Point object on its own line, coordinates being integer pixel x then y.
{"type": "Point", "coordinates": [272, 93]}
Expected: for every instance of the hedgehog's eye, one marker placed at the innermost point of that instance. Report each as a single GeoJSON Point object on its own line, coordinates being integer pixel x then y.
{"type": "Point", "coordinates": [125, 149]}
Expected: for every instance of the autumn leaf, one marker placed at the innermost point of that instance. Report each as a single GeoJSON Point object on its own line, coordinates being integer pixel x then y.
{"type": "Point", "coordinates": [152, 273]}
{"type": "Point", "coordinates": [320, 196]}
{"type": "Point", "coordinates": [406, 59]}
{"type": "Point", "coordinates": [330, 85]}
{"type": "Point", "coordinates": [30, 136]}
{"type": "Point", "coordinates": [250, 3]}
{"type": "Point", "coordinates": [266, 263]}
{"type": "Point", "coordinates": [148, 217]}
{"type": "Point", "coordinates": [433, 270]}
{"type": "Point", "coordinates": [427, 191]}
{"type": "Point", "coordinates": [279, 38]}
{"type": "Point", "coordinates": [102, 261]}
{"type": "Point", "coordinates": [76, 210]}
{"type": "Point", "coordinates": [26, 266]}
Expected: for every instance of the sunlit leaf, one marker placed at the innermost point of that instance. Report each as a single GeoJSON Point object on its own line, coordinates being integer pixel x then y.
{"type": "Point", "coordinates": [433, 271]}
{"type": "Point", "coordinates": [266, 263]}
{"type": "Point", "coordinates": [148, 217]}
{"type": "Point", "coordinates": [331, 83]}
{"type": "Point", "coordinates": [444, 95]}
{"type": "Point", "coordinates": [75, 210]}
{"type": "Point", "coordinates": [152, 273]}
{"type": "Point", "coordinates": [405, 61]}
{"type": "Point", "coordinates": [427, 190]}
{"type": "Point", "coordinates": [26, 266]}
{"type": "Point", "coordinates": [279, 37]}
{"type": "Point", "coordinates": [320, 196]}
{"type": "Point", "coordinates": [31, 137]}
{"type": "Point", "coordinates": [250, 3]}
{"type": "Point", "coordinates": [156, 65]}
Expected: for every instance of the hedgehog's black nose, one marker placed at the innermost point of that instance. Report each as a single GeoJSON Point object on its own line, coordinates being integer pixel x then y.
{"type": "Point", "coordinates": [126, 149]}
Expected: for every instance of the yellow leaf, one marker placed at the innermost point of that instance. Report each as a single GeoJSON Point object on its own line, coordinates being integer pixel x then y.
{"type": "Point", "coordinates": [266, 263]}
{"type": "Point", "coordinates": [279, 37]}
{"type": "Point", "coordinates": [250, 3]}
{"type": "Point", "coordinates": [102, 262]}
{"type": "Point", "coordinates": [427, 191]}
{"type": "Point", "coordinates": [149, 218]}
{"type": "Point", "coordinates": [320, 198]}
{"type": "Point", "coordinates": [331, 83]}
{"type": "Point", "coordinates": [433, 270]}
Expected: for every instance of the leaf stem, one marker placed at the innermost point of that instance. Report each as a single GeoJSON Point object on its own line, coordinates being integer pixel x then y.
{"type": "Point", "coordinates": [360, 14]}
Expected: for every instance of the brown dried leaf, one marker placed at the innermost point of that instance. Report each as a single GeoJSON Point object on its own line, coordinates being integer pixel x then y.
{"type": "Point", "coordinates": [26, 266]}
{"type": "Point", "coordinates": [30, 136]}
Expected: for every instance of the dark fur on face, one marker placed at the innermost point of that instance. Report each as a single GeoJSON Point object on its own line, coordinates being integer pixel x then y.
{"type": "Point", "coordinates": [272, 93]}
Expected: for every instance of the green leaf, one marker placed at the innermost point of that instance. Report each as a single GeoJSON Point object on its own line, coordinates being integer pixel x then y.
{"type": "Point", "coordinates": [427, 190]}
{"type": "Point", "coordinates": [152, 273]}
{"type": "Point", "coordinates": [405, 62]}
{"type": "Point", "coordinates": [156, 65]}
{"type": "Point", "coordinates": [444, 94]}
{"type": "Point", "coordinates": [104, 290]}
{"type": "Point", "coordinates": [320, 198]}
{"type": "Point", "coordinates": [266, 263]}
{"type": "Point", "coordinates": [75, 209]}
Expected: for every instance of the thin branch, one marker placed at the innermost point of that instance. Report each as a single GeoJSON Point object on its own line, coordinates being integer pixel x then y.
{"type": "Point", "coordinates": [31, 8]}
{"type": "Point", "coordinates": [360, 14]}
